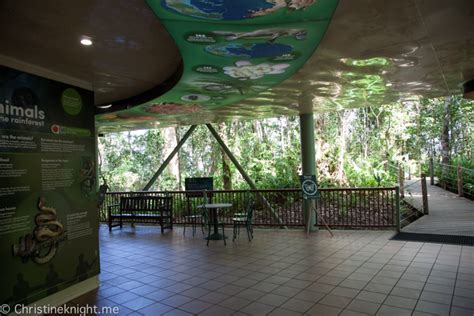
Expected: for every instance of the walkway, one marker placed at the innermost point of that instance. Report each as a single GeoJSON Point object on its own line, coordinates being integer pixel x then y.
{"type": "Point", "coordinates": [449, 214]}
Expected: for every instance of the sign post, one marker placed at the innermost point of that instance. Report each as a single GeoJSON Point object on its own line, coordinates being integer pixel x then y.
{"type": "Point", "coordinates": [309, 188]}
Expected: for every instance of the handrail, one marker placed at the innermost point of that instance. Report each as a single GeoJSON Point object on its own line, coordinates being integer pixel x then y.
{"type": "Point", "coordinates": [258, 190]}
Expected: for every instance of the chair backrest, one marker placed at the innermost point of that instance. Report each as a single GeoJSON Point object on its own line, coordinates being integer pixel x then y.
{"type": "Point", "coordinates": [250, 208]}
{"type": "Point", "coordinates": [205, 214]}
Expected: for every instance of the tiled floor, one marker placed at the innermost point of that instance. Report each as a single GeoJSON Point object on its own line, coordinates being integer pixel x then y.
{"type": "Point", "coordinates": [281, 273]}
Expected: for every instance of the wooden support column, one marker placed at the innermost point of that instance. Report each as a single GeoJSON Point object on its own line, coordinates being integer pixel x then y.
{"type": "Point", "coordinates": [460, 182]}
{"type": "Point", "coordinates": [424, 193]}
{"type": "Point", "coordinates": [431, 171]}
{"type": "Point", "coordinates": [401, 179]}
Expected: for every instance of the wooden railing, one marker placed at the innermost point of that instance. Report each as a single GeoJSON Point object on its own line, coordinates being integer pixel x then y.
{"type": "Point", "coordinates": [456, 179]}
{"type": "Point", "coordinates": [341, 207]}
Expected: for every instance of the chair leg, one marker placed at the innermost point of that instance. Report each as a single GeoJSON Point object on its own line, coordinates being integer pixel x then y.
{"type": "Point", "coordinates": [223, 235]}
{"type": "Point", "coordinates": [184, 228]}
{"type": "Point", "coordinates": [234, 232]}
{"type": "Point", "coordinates": [248, 231]}
{"type": "Point", "coordinates": [208, 234]}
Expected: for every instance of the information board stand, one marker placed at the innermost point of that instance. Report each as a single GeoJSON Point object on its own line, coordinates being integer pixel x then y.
{"type": "Point", "coordinates": [309, 188]}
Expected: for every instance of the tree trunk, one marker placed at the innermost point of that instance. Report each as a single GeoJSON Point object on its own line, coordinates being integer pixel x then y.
{"type": "Point", "coordinates": [226, 173]}
{"type": "Point", "coordinates": [169, 135]}
{"type": "Point", "coordinates": [445, 152]}
{"type": "Point", "coordinates": [342, 126]}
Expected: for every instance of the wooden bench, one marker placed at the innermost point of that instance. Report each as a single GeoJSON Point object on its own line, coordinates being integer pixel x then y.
{"type": "Point", "coordinates": [145, 209]}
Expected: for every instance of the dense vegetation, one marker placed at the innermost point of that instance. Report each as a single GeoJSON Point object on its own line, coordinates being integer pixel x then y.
{"type": "Point", "coordinates": [356, 147]}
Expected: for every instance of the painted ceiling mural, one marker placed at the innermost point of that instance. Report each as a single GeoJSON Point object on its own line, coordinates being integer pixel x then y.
{"type": "Point", "coordinates": [231, 50]}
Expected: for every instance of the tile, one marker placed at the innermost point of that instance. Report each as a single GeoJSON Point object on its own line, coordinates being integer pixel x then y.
{"type": "Point", "coordinates": [433, 308]}
{"type": "Point", "coordinates": [411, 284]}
{"type": "Point", "coordinates": [310, 296]}
{"type": "Point", "coordinates": [176, 300]}
{"type": "Point", "coordinates": [230, 289]}
{"type": "Point", "coordinates": [286, 291]}
{"type": "Point", "coordinates": [464, 293]}
{"type": "Point", "coordinates": [214, 297]}
{"type": "Point", "coordinates": [348, 312]}
{"type": "Point", "coordinates": [216, 310]}
{"type": "Point", "coordinates": [250, 294]}
{"type": "Point", "coordinates": [330, 280]}
{"type": "Point", "coordinates": [401, 302]}
{"type": "Point", "coordinates": [378, 288]}
{"type": "Point", "coordinates": [336, 301]}
{"type": "Point", "coordinates": [195, 307]}
{"type": "Point", "coordinates": [235, 303]}
{"type": "Point", "coordinates": [436, 297]}
{"type": "Point", "coordinates": [363, 307]}
{"type": "Point", "coordinates": [264, 286]}
{"type": "Point", "coordinates": [458, 311]}
{"type": "Point", "coordinates": [320, 287]}
{"type": "Point", "coordinates": [276, 279]}
{"type": "Point", "coordinates": [299, 284]}
{"type": "Point", "coordinates": [142, 290]}
{"type": "Point", "coordinates": [323, 310]}
{"type": "Point", "coordinates": [463, 302]}
{"type": "Point", "coordinates": [284, 312]}
{"type": "Point", "coordinates": [155, 309]}
{"type": "Point", "coordinates": [437, 288]}
{"type": "Point", "coordinates": [177, 312]}
{"type": "Point", "coordinates": [353, 284]}
{"type": "Point", "coordinates": [244, 282]}
{"type": "Point", "coordinates": [405, 292]}
{"type": "Point", "coordinates": [109, 291]}
{"type": "Point", "coordinates": [159, 295]}
{"type": "Point", "coordinates": [272, 299]}
{"type": "Point", "coordinates": [371, 297]}
{"type": "Point", "coordinates": [195, 292]}
{"type": "Point", "coordinates": [257, 309]}
{"type": "Point", "coordinates": [123, 297]}
{"type": "Point", "coordinates": [297, 305]}
{"type": "Point", "coordinates": [346, 292]}
{"type": "Point", "coordinates": [386, 310]}
{"type": "Point", "coordinates": [138, 303]}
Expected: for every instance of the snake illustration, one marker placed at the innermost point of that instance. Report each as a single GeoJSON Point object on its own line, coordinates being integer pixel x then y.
{"type": "Point", "coordinates": [42, 245]}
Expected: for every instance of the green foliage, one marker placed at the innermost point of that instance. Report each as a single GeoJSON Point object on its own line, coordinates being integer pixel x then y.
{"type": "Point", "coordinates": [357, 147]}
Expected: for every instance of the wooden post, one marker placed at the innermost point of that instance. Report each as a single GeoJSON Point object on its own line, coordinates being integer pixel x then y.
{"type": "Point", "coordinates": [460, 182]}
{"type": "Point", "coordinates": [401, 178]}
{"type": "Point", "coordinates": [431, 171]}
{"type": "Point", "coordinates": [397, 206]}
{"type": "Point", "coordinates": [424, 193]}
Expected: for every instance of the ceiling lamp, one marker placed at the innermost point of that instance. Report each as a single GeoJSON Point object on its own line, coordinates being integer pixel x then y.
{"type": "Point", "coordinates": [86, 41]}
{"type": "Point", "coordinates": [468, 87]}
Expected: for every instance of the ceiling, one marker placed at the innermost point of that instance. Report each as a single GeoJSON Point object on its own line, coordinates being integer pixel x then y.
{"type": "Point", "coordinates": [374, 52]}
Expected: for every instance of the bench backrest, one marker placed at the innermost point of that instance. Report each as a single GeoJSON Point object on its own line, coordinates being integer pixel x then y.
{"type": "Point", "coordinates": [146, 203]}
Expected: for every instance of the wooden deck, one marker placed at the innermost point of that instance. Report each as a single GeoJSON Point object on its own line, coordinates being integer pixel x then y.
{"type": "Point", "coordinates": [449, 214]}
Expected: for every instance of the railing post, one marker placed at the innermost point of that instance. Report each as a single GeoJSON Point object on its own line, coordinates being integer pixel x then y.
{"type": "Point", "coordinates": [431, 171]}
{"type": "Point", "coordinates": [424, 193]}
{"type": "Point", "coordinates": [401, 178]}
{"type": "Point", "coordinates": [397, 207]}
{"type": "Point", "coordinates": [460, 182]}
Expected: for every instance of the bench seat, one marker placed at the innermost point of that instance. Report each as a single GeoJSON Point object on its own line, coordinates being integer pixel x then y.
{"type": "Point", "coordinates": [142, 209]}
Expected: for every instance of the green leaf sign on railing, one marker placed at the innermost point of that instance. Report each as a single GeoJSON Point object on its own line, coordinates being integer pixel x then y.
{"type": "Point", "coordinates": [231, 50]}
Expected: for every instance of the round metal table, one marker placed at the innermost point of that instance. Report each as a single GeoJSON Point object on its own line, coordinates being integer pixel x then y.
{"type": "Point", "coordinates": [213, 207]}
